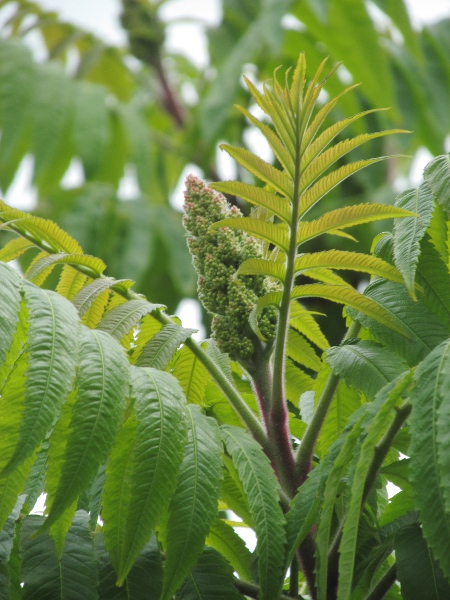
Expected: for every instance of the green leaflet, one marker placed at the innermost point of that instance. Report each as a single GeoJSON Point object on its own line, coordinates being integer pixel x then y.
{"type": "Point", "coordinates": [303, 321]}
{"type": "Point", "coordinates": [391, 394]}
{"type": "Point", "coordinates": [262, 490]}
{"type": "Point", "coordinates": [40, 270]}
{"type": "Point", "coordinates": [437, 174]}
{"type": "Point", "coordinates": [142, 472]}
{"type": "Point", "coordinates": [15, 248]}
{"type": "Point", "coordinates": [428, 441]}
{"type": "Point", "coordinates": [158, 352]}
{"type": "Point", "coordinates": [10, 303]}
{"type": "Point", "coordinates": [423, 329]}
{"type": "Point", "coordinates": [273, 233]}
{"type": "Point", "coordinates": [143, 582]}
{"type": "Point", "coordinates": [365, 366]}
{"type": "Point", "coordinates": [264, 171]}
{"type": "Point", "coordinates": [256, 195]}
{"type": "Point", "coordinates": [297, 382]}
{"type": "Point", "coordinates": [350, 297]}
{"type": "Point", "coordinates": [299, 350]}
{"type": "Point", "coordinates": [260, 266]}
{"type": "Point", "coordinates": [52, 353]}
{"type": "Point", "coordinates": [222, 360]}
{"type": "Point", "coordinates": [408, 232]}
{"type": "Point", "coordinates": [73, 577]}
{"type": "Point", "coordinates": [353, 261]}
{"type": "Point", "coordinates": [348, 216]}
{"type": "Point", "coordinates": [418, 573]}
{"type": "Point", "coordinates": [194, 505]}
{"type": "Point", "coordinates": [102, 385]}
{"type": "Point", "coordinates": [211, 578]}
{"type": "Point", "coordinates": [70, 282]}
{"type": "Point", "coordinates": [434, 279]}
{"type": "Point", "coordinates": [121, 319]}
{"type": "Point", "coordinates": [223, 538]}
{"type": "Point", "coordinates": [148, 328]}
{"type": "Point", "coordinates": [87, 296]}
{"type": "Point", "coordinates": [192, 376]}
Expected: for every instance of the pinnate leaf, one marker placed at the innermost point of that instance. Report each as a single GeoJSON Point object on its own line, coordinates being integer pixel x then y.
{"type": "Point", "coordinates": [158, 352]}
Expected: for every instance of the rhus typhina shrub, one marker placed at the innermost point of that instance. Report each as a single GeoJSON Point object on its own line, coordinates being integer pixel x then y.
{"type": "Point", "coordinates": [146, 442]}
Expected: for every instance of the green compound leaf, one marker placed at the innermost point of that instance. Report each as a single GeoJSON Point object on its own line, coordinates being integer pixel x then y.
{"type": "Point", "coordinates": [429, 399]}
{"type": "Point", "coordinates": [365, 366]}
{"type": "Point", "coordinates": [141, 475]}
{"type": "Point", "coordinates": [193, 507]}
{"type": "Point", "coordinates": [158, 352]}
{"type": "Point", "coordinates": [101, 389]}
{"type": "Point", "coordinates": [262, 491]}
{"type": "Point", "coordinates": [408, 232]}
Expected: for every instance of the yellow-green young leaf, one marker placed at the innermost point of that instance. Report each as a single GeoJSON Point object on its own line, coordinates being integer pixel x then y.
{"type": "Point", "coordinates": [225, 540]}
{"type": "Point", "coordinates": [52, 354]}
{"type": "Point", "coordinates": [261, 489]}
{"type": "Point", "coordinates": [408, 232]}
{"type": "Point", "coordinates": [260, 266]}
{"type": "Point", "coordinates": [347, 216]}
{"type": "Point", "coordinates": [325, 276]}
{"type": "Point", "coordinates": [352, 261]}
{"type": "Point", "coordinates": [193, 507]}
{"type": "Point", "coordinates": [256, 195]}
{"type": "Point", "coordinates": [298, 83]}
{"type": "Point", "coordinates": [70, 282]}
{"type": "Point", "coordinates": [148, 328]}
{"type": "Point", "coordinates": [299, 350]}
{"type": "Point", "coordinates": [10, 307]}
{"type": "Point", "coordinates": [429, 439]}
{"type": "Point", "coordinates": [391, 395]}
{"type": "Point", "coordinates": [102, 385]}
{"type": "Point", "coordinates": [192, 376]}
{"type": "Point", "coordinates": [141, 475]}
{"type": "Point", "coordinates": [297, 382]}
{"type": "Point", "coordinates": [88, 294]}
{"type": "Point", "coordinates": [261, 169]}
{"type": "Point", "coordinates": [303, 321]}
{"type": "Point", "coordinates": [348, 296]}
{"type": "Point", "coordinates": [159, 351]}
{"type": "Point", "coordinates": [96, 310]}
{"type": "Point", "coordinates": [279, 119]}
{"type": "Point", "coordinates": [15, 248]}
{"type": "Point", "coordinates": [272, 233]}
{"type": "Point", "coordinates": [330, 181]}
{"type": "Point", "coordinates": [121, 319]}
{"type": "Point", "coordinates": [324, 160]}
{"type": "Point", "coordinates": [40, 270]}
{"type": "Point", "coordinates": [311, 96]}
{"type": "Point", "coordinates": [271, 299]}
{"type": "Point", "coordinates": [276, 144]}
{"type": "Point", "coordinates": [41, 255]}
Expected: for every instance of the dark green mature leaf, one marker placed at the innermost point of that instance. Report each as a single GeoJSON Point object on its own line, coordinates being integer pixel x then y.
{"type": "Point", "coordinates": [53, 348]}
{"type": "Point", "coordinates": [210, 579]}
{"type": "Point", "coordinates": [409, 231]}
{"type": "Point", "coordinates": [101, 388]}
{"type": "Point", "coordinates": [10, 303]}
{"type": "Point", "coordinates": [143, 582]}
{"type": "Point", "coordinates": [418, 573]}
{"type": "Point", "coordinates": [434, 278]}
{"type": "Point", "coordinates": [261, 489]}
{"type": "Point", "coordinates": [223, 538]}
{"type": "Point", "coordinates": [432, 382]}
{"type": "Point", "coordinates": [194, 505]}
{"type": "Point", "coordinates": [158, 352]}
{"type": "Point", "coordinates": [366, 366]}
{"type": "Point", "coordinates": [143, 468]}
{"type": "Point", "coordinates": [74, 577]}
{"type": "Point", "coordinates": [423, 329]}
{"type": "Point", "coordinates": [437, 173]}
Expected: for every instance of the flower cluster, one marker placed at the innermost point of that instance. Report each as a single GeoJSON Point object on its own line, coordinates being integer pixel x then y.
{"type": "Point", "coordinates": [217, 256]}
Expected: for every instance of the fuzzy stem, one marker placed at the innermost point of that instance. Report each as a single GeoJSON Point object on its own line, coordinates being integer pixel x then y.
{"type": "Point", "coordinates": [261, 377]}
{"type": "Point", "coordinates": [293, 578]}
{"type": "Point", "coordinates": [383, 586]}
{"type": "Point", "coordinates": [252, 591]}
{"type": "Point", "coordinates": [306, 449]}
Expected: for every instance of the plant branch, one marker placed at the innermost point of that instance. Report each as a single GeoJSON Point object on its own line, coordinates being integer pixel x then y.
{"type": "Point", "coordinates": [252, 590]}
{"type": "Point", "coordinates": [293, 578]}
{"type": "Point", "coordinates": [383, 586]}
{"type": "Point", "coordinates": [306, 449]}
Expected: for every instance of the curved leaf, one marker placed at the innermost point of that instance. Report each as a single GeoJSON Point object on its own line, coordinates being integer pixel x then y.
{"type": "Point", "coordinates": [256, 195]}
{"type": "Point", "coordinates": [194, 505]}
{"type": "Point", "coordinates": [348, 216]}
{"type": "Point", "coordinates": [102, 385]}
{"type": "Point", "coordinates": [437, 174]}
{"type": "Point", "coordinates": [261, 266]}
{"type": "Point", "coordinates": [408, 232]}
{"type": "Point", "coordinates": [366, 366]}
{"type": "Point", "coordinates": [121, 319]}
{"type": "Point", "coordinates": [87, 296]}
{"type": "Point", "coordinates": [272, 233]}
{"type": "Point", "coordinates": [432, 381]}
{"type": "Point", "coordinates": [15, 248]}
{"type": "Point", "coordinates": [158, 352]}
{"type": "Point", "coordinates": [223, 538]}
{"type": "Point", "coordinates": [303, 321]}
{"type": "Point", "coordinates": [142, 472]}
{"type": "Point", "coordinates": [434, 279]}
{"type": "Point", "coordinates": [40, 270]}
{"type": "Point", "coordinates": [10, 307]}
{"type": "Point", "coordinates": [262, 490]}
{"type": "Point", "coordinates": [299, 350]}
{"type": "Point", "coordinates": [192, 376]}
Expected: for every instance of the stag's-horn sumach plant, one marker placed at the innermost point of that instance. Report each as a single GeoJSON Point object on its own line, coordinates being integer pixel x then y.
{"type": "Point", "coordinates": [141, 438]}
